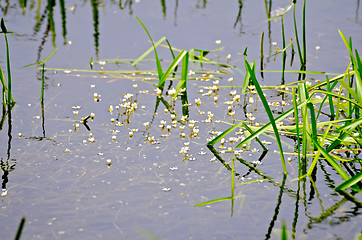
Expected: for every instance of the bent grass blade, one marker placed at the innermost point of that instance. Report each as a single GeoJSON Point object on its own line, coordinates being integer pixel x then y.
{"type": "Point", "coordinates": [146, 53]}
{"type": "Point", "coordinates": [350, 182]}
{"type": "Point", "coordinates": [334, 164]}
{"type": "Point", "coordinates": [232, 198]}
{"type": "Point", "coordinates": [158, 62]}
{"type": "Point", "coordinates": [269, 113]}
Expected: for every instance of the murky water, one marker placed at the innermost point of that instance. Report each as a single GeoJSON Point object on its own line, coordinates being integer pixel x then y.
{"type": "Point", "coordinates": [74, 183]}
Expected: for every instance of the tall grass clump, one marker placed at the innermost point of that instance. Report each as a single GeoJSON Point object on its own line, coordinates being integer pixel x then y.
{"type": "Point", "coordinates": [315, 136]}
{"type": "Point", "coordinates": [162, 76]}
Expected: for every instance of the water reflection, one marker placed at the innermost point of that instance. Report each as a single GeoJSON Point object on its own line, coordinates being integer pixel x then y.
{"type": "Point", "coordinates": [45, 15]}
{"type": "Point", "coordinates": [50, 27]}
{"type": "Point", "coordinates": [64, 21]}
{"type": "Point", "coordinates": [201, 3]}
{"type": "Point", "coordinates": [276, 210]}
{"type": "Point", "coordinates": [95, 5]}
{"type": "Point", "coordinates": [330, 214]}
{"type": "Point", "coordinates": [238, 17]}
{"type": "Point", "coordinates": [127, 2]}
{"type": "Point", "coordinates": [357, 10]}
{"type": "Point", "coordinates": [8, 164]}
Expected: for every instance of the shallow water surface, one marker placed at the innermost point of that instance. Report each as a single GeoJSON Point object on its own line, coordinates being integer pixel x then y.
{"type": "Point", "coordinates": [71, 182]}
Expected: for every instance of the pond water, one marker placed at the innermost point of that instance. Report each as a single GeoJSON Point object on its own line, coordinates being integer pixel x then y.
{"type": "Point", "coordinates": [71, 182]}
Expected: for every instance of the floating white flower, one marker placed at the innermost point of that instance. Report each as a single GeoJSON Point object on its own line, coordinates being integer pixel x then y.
{"type": "Point", "coordinates": [198, 101]}
{"type": "Point", "coordinates": [251, 100]}
{"type": "Point", "coordinates": [171, 91]}
{"type": "Point", "coordinates": [158, 91]}
{"type": "Point", "coordinates": [184, 150]}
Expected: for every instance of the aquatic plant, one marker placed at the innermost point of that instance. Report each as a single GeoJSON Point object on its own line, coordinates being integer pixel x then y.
{"type": "Point", "coordinates": [310, 105]}
{"type": "Point", "coordinates": [42, 64]}
{"type": "Point", "coordinates": [7, 97]}
{"type": "Point", "coordinates": [20, 228]}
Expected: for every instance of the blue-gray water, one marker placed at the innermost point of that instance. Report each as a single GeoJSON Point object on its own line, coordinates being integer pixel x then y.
{"type": "Point", "coordinates": [60, 180]}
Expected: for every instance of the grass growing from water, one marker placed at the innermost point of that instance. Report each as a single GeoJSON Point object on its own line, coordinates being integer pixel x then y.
{"type": "Point", "coordinates": [42, 65]}
{"type": "Point", "coordinates": [20, 228]}
{"type": "Point", "coordinates": [343, 131]}
{"type": "Point", "coordinates": [7, 97]}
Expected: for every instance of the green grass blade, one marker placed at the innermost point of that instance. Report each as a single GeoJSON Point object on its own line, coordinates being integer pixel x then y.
{"type": "Point", "coordinates": [171, 68]}
{"type": "Point", "coordinates": [330, 99]}
{"type": "Point", "coordinates": [257, 139]}
{"type": "Point", "coordinates": [339, 96]}
{"type": "Point", "coordinates": [47, 58]}
{"type": "Point", "coordinates": [358, 70]}
{"type": "Point", "coordinates": [332, 162]}
{"type": "Point", "coordinates": [356, 65]}
{"type": "Point", "coordinates": [350, 91]}
{"type": "Point", "coordinates": [269, 113]}
{"type": "Point", "coordinates": [20, 228]}
{"type": "Point", "coordinates": [158, 62]}
{"type": "Point", "coordinates": [338, 141]}
{"type": "Point", "coordinates": [304, 38]}
{"type": "Point", "coordinates": [296, 35]}
{"type": "Point", "coordinates": [246, 79]}
{"type": "Point", "coordinates": [214, 201]}
{"type": "Point", "coordinates": [350, 126]}
{"type": "Point", "coordinates": [223, 134]}
{"type": "Point", "coordinates": [350, 182]}
{"type": "Point", "coordinates": [296, 120]}
{"type": "Point", "coordinates": [268, 125]}
{"type": "Point", "coordinates": [313, 120]}
{"type": "Point", "coordinates": [169, 46]}
{"type": "Point", "coordinates": [146, 53]}
{"type": "Point", "coordinates": [38, 64]}
{"type": "Point", "coordinates": [183, 84]}
{"type": "Point", "coordinates": [262, 54]}
{"type": "Point", "coordinates": [4, 88]}
{"type": "Point", "coordinates": [303, 95]}
{"type": "Point", "coordinates": [316, 156]}
{"type": "Point", "coordinates": [10, 98]}
{"type": "Point", "coordinates": [284, 53]}
{"type": "Point", "coordinates": [284, 235]}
